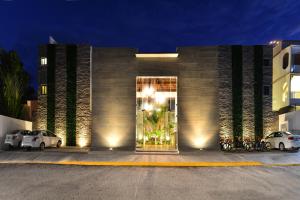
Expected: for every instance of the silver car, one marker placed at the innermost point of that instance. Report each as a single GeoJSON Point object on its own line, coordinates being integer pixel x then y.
{"type": "Point", "coordinates": [14, 139]}
{"type": "Point", "coordinates": [41, 139]}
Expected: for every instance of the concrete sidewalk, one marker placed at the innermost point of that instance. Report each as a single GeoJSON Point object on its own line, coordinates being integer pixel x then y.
{"type": "Point", "coordinates": [127, 158]}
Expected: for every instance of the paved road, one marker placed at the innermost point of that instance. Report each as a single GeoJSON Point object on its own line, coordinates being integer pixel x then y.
{"type": "Point", "coordinates": [82, 182]}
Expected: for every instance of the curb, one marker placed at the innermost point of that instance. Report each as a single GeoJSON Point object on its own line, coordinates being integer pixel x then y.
{"type": "Point", "coordinates": [155, 164]}
{"type": "Point", "coordinates": [141, 164]}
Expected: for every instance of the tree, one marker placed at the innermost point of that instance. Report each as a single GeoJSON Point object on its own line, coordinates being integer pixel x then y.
{"type": "Point", "coordinates": [14, 82]}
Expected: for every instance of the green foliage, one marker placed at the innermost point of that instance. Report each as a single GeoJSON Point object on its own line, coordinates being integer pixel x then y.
{"type": "Point", "coordinates": [51, 58]}
{"type": "Point", "coordinates": [156, 126]}
{"type": "Point", "coordinates": [71, 53]}
{"type": "Point", "coordinates": [258, 96]}
{"type": "Point", "coordinates": [237, 91]}
{"type": "Point", "coordinates": [13, 83]}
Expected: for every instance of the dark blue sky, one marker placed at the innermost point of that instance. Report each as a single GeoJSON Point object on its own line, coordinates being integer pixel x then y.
{"type": "Point", "coordinates": [151, 26]}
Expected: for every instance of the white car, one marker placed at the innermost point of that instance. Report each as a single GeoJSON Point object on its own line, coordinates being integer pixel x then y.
{"type": "Point", "coordinates": [41, 139]}
{"type": "Point", "coordinates": [282, 140]}
{"type": "Point", "coordinates": [14, 139]}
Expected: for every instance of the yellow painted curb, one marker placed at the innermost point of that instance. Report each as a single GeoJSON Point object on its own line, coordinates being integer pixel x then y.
{"type": "Point", "coordinates": [143, 164]}
{"type": "Point", "coordinates": [282, 165]}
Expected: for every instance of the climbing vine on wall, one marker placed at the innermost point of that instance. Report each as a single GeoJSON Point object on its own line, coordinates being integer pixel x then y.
{"type": "Point", "coordinates": [258, 96]}
{"type": "Point", "coordinates": [51, 52]}
{"type": "Point", "coordinates": [237, 91]}
{"type": "Point", "coordinates": [71, 52]}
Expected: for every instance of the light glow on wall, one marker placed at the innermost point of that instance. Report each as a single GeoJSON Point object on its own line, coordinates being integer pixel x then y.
{"type": "Point", "coordinates": [113, 140]}
{"type": "Point", "coordinates": [200, 140]}
{"type": "Point", "coordinates": [201, 133]}
{"type": "Point", "coordinates": [82, 142]}
{"type": "Point", "coordinates": [82, 137]}
{"type": "Point", "coordinates": [62, 134]}
{"type": "Point", "coordinates": [285, 91]}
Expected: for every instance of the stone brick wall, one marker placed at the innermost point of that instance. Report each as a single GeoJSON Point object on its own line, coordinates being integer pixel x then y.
{"type": "Point", "coordinates": [225, 91]}
{"type": "Point", "coordinates": [204, 94]}
{"type": "Point", "coordinates": [248, 92]}
{"type": "Point", "coordinates": [270, 118]}
{"type": "Point", "coordinates": [83, 104]}
{"type": "Point", "coordinates": [60, 92]}
{"type": "Point", "coordinates": [83, 107]}
{"type": "Point", "coordinates": [40, 120]}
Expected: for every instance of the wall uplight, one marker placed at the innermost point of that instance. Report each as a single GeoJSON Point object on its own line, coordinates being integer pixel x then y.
{"type": "Point", "coordinates": [148, 91]}
{"type": "Point", "coordinates": [148, 106]}
{"type": "Point", "coordinates": [112, 140]}
{"type": "Point", "coordinates": [168, 138]}
{"type": "Point", "coordinates": [82, 142]}
{"type": "Point", "coordinates": [160, 97]}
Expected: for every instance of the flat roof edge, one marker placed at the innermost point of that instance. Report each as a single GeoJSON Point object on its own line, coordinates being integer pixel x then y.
{"type": "Point", "coordinates": [156, 55]}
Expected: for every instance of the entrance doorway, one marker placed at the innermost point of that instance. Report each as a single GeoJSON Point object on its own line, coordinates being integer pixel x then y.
{"type": "Point", "coordinates": [156, 113]}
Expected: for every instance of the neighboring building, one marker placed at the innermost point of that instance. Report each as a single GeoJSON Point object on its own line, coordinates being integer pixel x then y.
{"type": "Point", "coordinates": [30, 109]}
{"type": "Point", "coordinates": [286, 84]}
{"type": "Point", "coordinates": [120, 98]}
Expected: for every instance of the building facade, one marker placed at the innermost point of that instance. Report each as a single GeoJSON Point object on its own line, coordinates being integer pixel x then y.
{"type": "Point", "coordinates": [286, 84]}
{"type": "Point", "coordinates": [119, 98]}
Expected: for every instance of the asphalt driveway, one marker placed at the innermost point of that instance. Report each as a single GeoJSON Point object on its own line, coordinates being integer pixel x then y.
{"type": "Point", "coordinates": [25, 181]}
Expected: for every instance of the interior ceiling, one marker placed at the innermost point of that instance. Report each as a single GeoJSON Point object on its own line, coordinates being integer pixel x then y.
{"type": "Point", "coordinates": [159, 84]}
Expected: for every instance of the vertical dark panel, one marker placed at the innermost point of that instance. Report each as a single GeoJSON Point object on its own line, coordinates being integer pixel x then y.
{"type": "Point", "coordinates": [237, 91]}
{"type": "Point", "coordinates": [258, 96]}
{"type": "Point", "coordinates": [51, 59]}
{"type": "Point", "coordinates": [71, 55]}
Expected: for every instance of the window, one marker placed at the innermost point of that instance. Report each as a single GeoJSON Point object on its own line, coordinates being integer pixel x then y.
{"type": "Point", "coordinates": [50, 134]}
{"type": "Point", "coordinates": [43, 61]}
{"type": "Point", "coordinates": [267, 90]}
{"type": "Point", "coordinates": [25, 132]}
{"type": "Point", "coordinates": [43, 89]}
{"type": "Point", "coordinates": [44, 133]}
{"type": "Point", "coordinates": [295, 87]}
{"type": "Point", "coordinates": [285, 61]}
{"type": "Point", "coordinates": [278, 134]}
{"type": "Point", "coordinates": [296, 59]}
{"type": "Point", "coordinates": [267, 62]}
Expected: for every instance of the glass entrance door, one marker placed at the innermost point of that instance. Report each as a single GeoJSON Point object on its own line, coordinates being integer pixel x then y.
{"type": "Point", "coordinates": [156, 113]}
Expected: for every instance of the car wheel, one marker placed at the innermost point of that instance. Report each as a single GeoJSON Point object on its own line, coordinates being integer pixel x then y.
{"type": "Point", "coordinates": [268, 146]}
{"type": "Point", "coordinates": [281, 146]}
{"type": "Point", "coordinates": [28, 148]}
{"type": "Point", "coordinates": [42, 146]}
{"type": "Point", "coordinates": [58, 145]}
{"type": "Point", "coordinates": [10, 147]}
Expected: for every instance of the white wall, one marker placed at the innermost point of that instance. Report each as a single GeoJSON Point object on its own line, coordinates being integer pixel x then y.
{"type": "Point", "coordinates": [290, 122]}
{"type": "Point", "coordinates": [8, 124]}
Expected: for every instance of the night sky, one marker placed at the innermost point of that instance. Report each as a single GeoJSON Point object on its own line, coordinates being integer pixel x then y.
{"type": "Point", "coordinates": [150, 26]}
